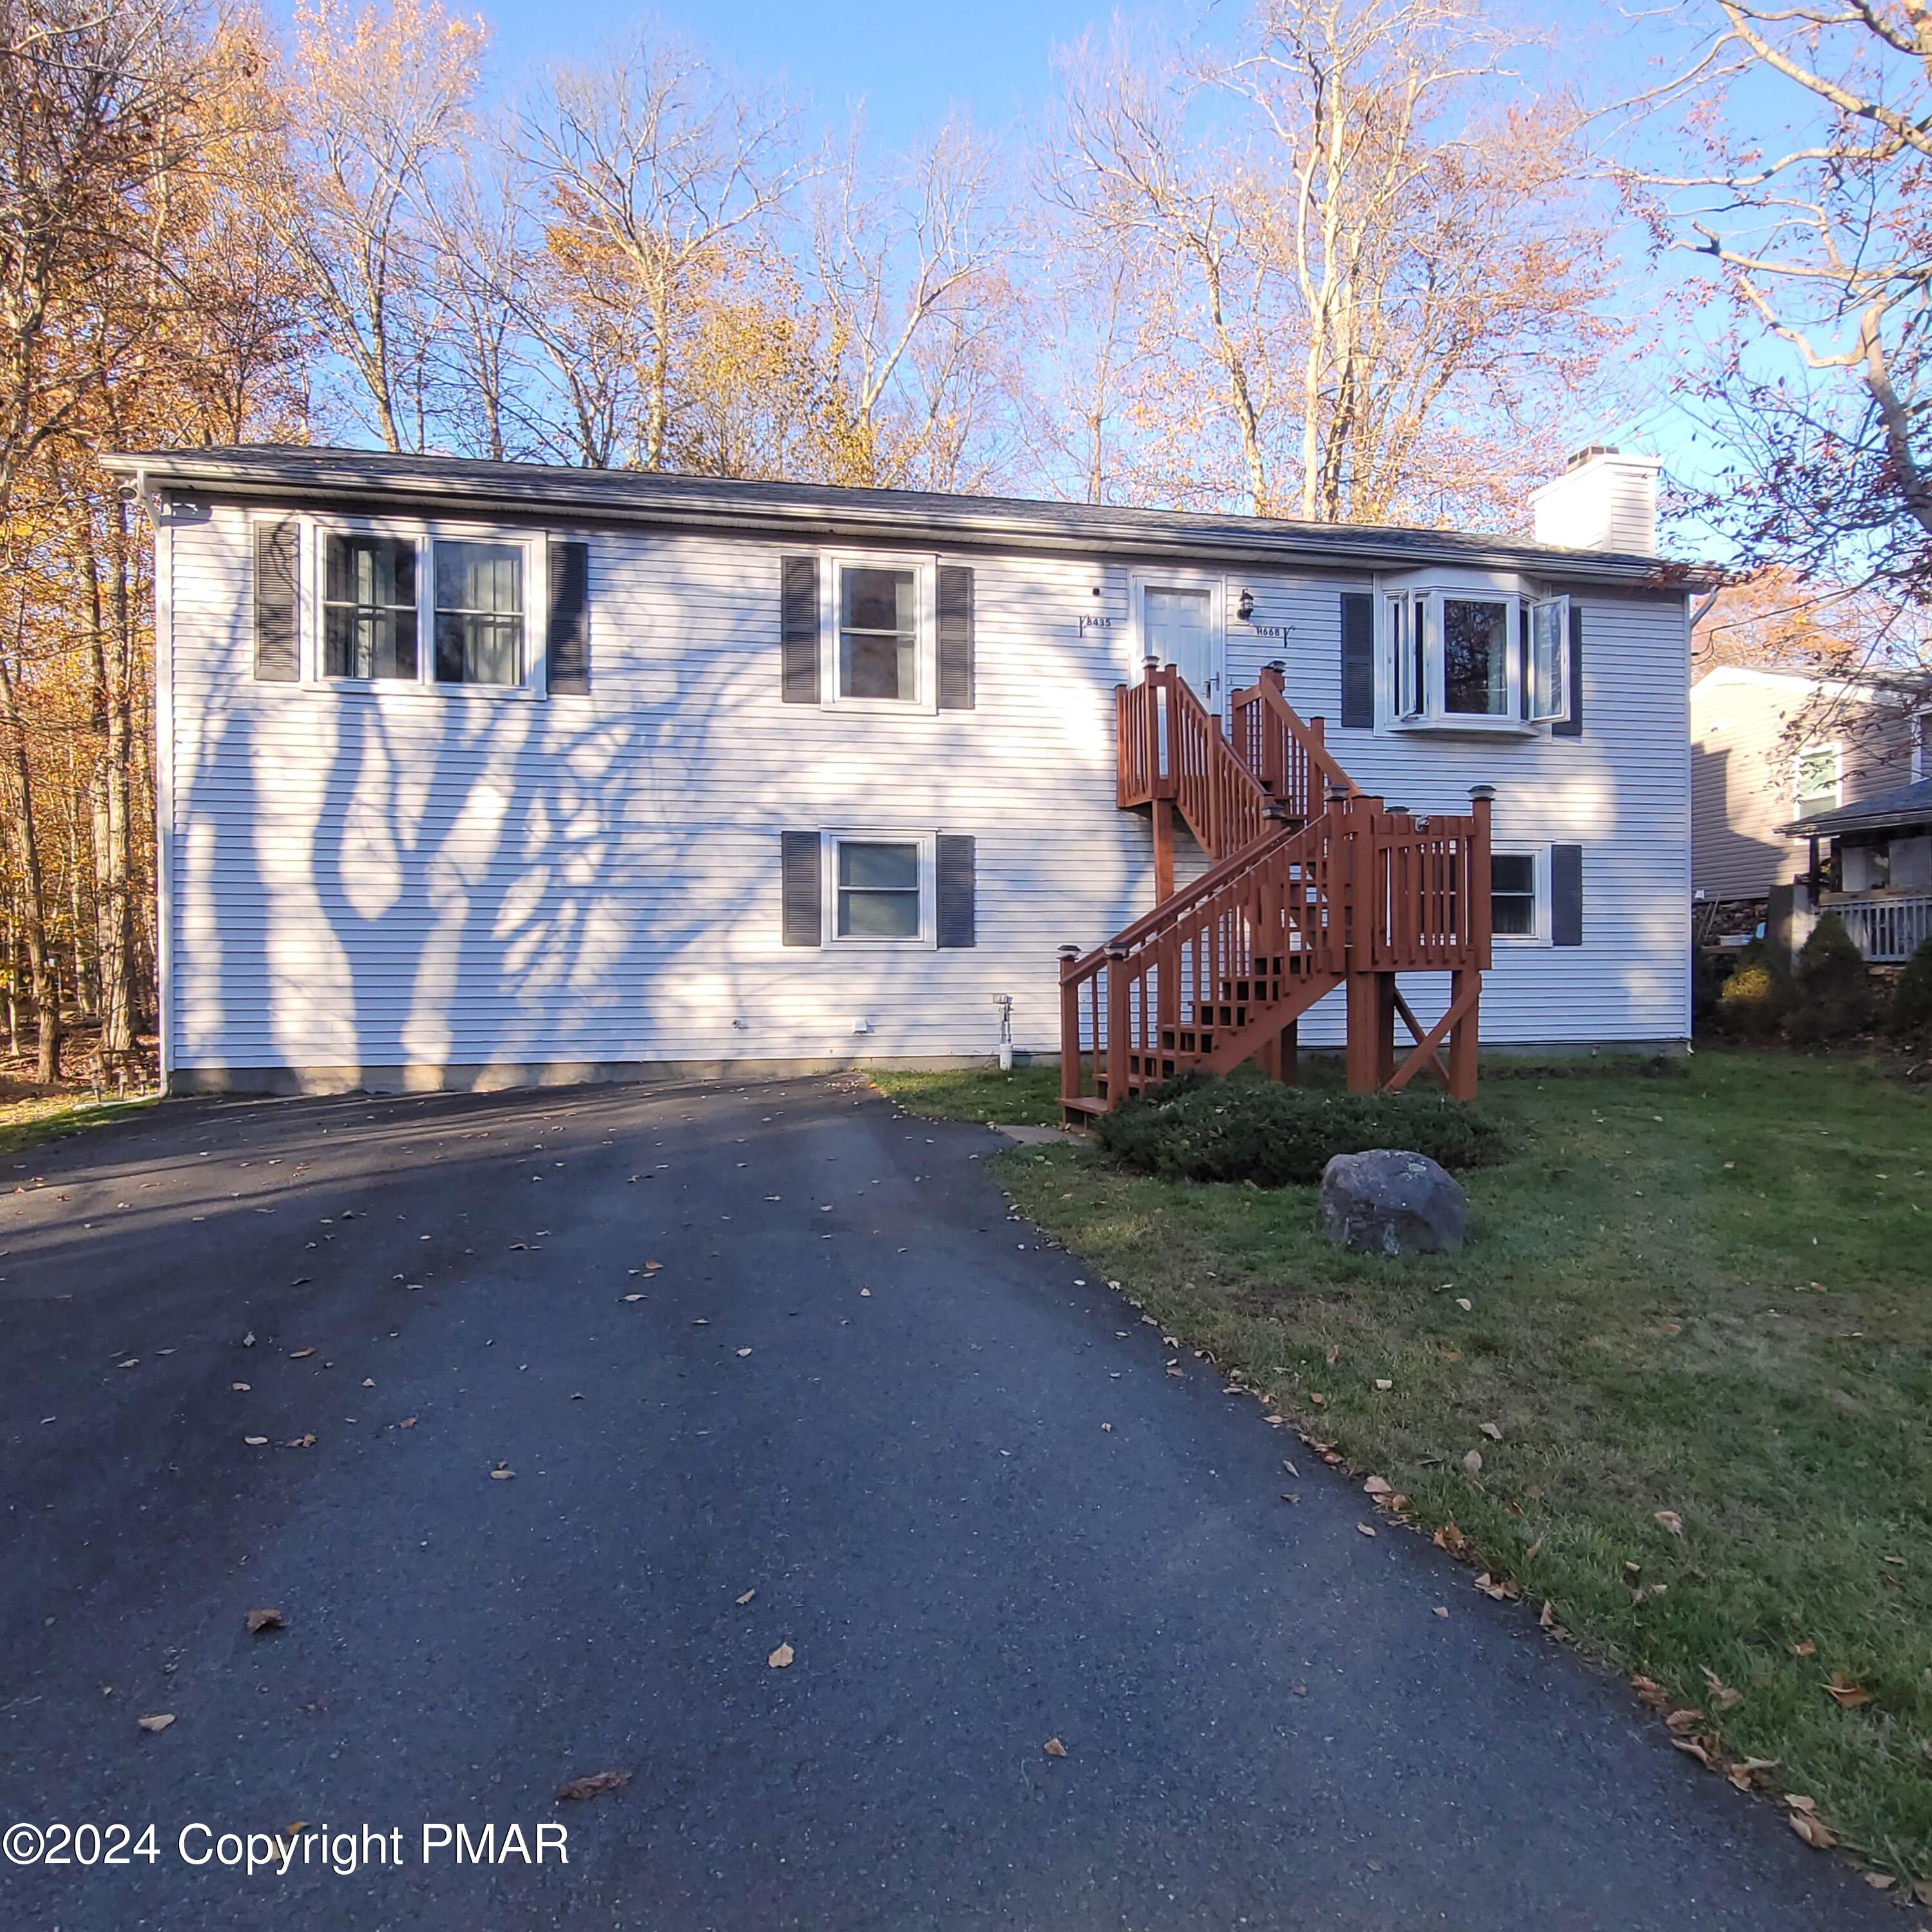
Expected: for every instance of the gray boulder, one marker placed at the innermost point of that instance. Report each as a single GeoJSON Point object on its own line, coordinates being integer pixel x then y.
{"type": "Point", "coordinates": [1388, 1202]}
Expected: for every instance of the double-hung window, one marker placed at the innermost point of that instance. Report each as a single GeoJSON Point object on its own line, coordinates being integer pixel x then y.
{"type": "Point", "coordinates": [877, 890]}
{"type": "Point", "coordinates": [1515, 898]}
{"type": "Point", "coordinates": [448, 610]}
{"type": "Point", "coordinates": [479, 613]}
{"type": "Point", "coordinates": [878, 634]}
{"type": "Point", "coordinates": [1819, 783]}
{"type": "Point", "coordinates": [369, 607]}
{"type": "Point", "coordinates": [879, 629]}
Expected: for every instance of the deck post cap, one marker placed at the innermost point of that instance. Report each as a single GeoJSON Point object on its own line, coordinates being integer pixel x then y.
{"type": "Point", "coordinates": [1483, 792]}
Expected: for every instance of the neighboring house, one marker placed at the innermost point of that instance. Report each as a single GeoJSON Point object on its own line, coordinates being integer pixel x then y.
{"type": "Point", "coordinates": [1872, 862]}
{"type": "Point", "coordinates": [473, 773]}
{"type": "Point", "coordinates": [1770, 747]}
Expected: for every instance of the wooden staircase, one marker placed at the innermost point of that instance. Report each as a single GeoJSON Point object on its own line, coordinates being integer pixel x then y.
{"type": "Point", "coordinates": [1315, 887]}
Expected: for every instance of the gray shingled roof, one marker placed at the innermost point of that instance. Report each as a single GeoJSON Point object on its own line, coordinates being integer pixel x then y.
{"type": "Point", "coordinates": [812, 511]}
{"type": "Point", "coordinates": [1905, 804]}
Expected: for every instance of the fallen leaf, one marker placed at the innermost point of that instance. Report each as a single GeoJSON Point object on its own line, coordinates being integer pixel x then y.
{"type": "Point", "coordinates": [1668, 1519]}
{"type": "Point", "coordinates": [302, 1442]}
{"type": "Point", "coordinates": [1546, 1618]}
{"type": "Point", "coordinates": [1490, 1430]}
{"type": "Point", "coordinates": [132, 1362]}
{"type": "Point", "coordinates": [265, 1620]}
{"type": "Point", "coordinates": [1799, 1803]}
{"type": "Point", "coordinates": [1473, 1461]}
{"type": "Point", "coordinates": [1334, 1353]}
{"type": "Point", "coordinates": [1382, 1382]}
{"type": "Point", "coordinates": [1501, 1592]}
{"type": "Point", "coordinates": [1317, 1399]}
{"type": "Point", "coordinates": [1806, 1648]}
{"type": "Point", "coordinates": [1811, 1830]}
{"type": "Point", "coordinates": [1684, 1720]}
{"type": "Point", "coordinates": [1291, 1469]}
{"type": "Point", "coordinates": [409, 1422]}
{"type": "Point", "coordinates": [240, 1388]}
{"type": "Point", "coordinates": [1054, 1747]}
{"type": "Point", "coordinates": [1450, 1538]}
{"type": "Point", "coordinates": [1696, 1748]}
{"type": "Point", "coordinates": [1377, 1485]}
{"type": "Point", "coordinates": [742, 1353]}
{"type": "Point", "coordinates": [158, 1720]}
{"type": "Point", "coordinates": [1463, 1302]}
{"type": "Point", "coordinates": [1722, 1695]}
{"type": "Point", "coordinates": [1442, 1610]}
{"type": "Point", "coordinates": [781, 1658]}
{"type": "Point", "coordinates": [1847, 1695]}
{"type": "Point", "coordinates": [256, 1442]}
{"type": "Point", "coordinates": [746, 1598]}
{"type": "Point", "coordinates": [1365, 1529]}
{"type": "Point", "coordinates": [597, 1783]}
{"type": "Point", "coordinates": [502, 1473]}
{"type": "Point", "coordinates": [1748, 1774]}
{"type": "Point", "coordinates": [367, 1383]}
{"type": "Point", "coordinates": [297, 1354]}
{"type": "Point", "coordinates": [1650, 1693]}
{"type": "Point", "coordinates": [1881, 1881]}
{"type": "Point", "coordinates": [1529, 1555]}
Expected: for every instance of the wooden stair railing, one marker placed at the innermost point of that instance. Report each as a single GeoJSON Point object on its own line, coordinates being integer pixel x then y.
{"type": "Point", "coordinates": [1173, 753]}
{"type": "Point", "coordinates": [1314, 886]}
{"type": "Point", "coordinates": [1216, 973]}
{"type": "Point", "coordinates": [1285, 753]}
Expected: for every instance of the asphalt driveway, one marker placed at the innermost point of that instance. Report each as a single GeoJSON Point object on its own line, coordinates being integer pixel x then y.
{"type": "Point", "coordinates": [769, 1366]}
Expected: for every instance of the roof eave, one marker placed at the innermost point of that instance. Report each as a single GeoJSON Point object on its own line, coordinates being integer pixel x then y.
{"type": "Point", "coordinates": [978, 522]}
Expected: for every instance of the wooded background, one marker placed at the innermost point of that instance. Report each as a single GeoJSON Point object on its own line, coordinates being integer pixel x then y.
{"type": "Point", "coordinates": [1343, 262]}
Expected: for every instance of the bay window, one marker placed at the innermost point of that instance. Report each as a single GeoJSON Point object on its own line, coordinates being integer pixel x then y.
{"type": "Point", "coordinates": [1474, 660]}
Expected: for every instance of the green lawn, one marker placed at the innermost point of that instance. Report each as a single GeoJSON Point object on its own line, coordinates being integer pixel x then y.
{"type": "Point", "coordinates": [1707, 1296]}
{"type": "Point", "coordinates": [28, 1123]}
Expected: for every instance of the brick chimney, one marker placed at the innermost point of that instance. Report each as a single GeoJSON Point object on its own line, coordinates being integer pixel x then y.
{"type": "Point", "coordinates": [1604, 500]}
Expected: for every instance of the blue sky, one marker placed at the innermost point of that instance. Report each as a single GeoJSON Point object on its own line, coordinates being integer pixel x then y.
{"type": "Point", "coordinates": [911, 63]}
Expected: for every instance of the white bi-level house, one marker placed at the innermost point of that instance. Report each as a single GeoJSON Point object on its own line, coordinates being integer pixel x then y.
{"type": "Point", "coordinates": [473, 774]}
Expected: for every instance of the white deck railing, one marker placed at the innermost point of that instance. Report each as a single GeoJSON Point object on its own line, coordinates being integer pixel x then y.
{"type": "Point", "coordinates": [1887, 931]}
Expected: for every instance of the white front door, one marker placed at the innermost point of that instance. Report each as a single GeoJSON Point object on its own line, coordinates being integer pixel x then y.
{"type": "Point", "coordinates": [1178, 628]}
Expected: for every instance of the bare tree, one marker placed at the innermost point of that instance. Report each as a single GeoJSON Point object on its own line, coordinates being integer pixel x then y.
{"type": "Point", "coordinates": [909, 271]}
{"type": "Point", "coordinates": [376, 102]}
{"type": "Point", "coordinates": [654, 164]}
{"type": "Point", "coordinates": [1129, 166]}
{"type": "Point", "coordinates": [1818, 232]}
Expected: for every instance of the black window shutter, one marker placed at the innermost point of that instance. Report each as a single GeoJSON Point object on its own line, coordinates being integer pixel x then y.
{"type": "Point", "coordinates": [1572, 727]}
{"type": "Point", "coordinates": [1566, 896]}
{"type": "Point", "coordinates": [277, 633]}
{"type": "Point", "coordinates": [804, 916]}
{"type": "Point", "coordinates": [1358, 661]}
{"type": "Point", "coordinates": [567, 639]}
{"type": "Point", "coordinates": [955, 893]}
{"type": "Point", "coordinates": [956, 641]}
{"type": "Point", "coordinates": [798, 627]}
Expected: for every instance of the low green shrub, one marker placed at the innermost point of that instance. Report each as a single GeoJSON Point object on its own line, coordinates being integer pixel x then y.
{"type": "Point", "coordinates": [1753, 1001]}
{"type": "Point", "coordinates": [1198, 1128]}
{"type": "Point", "coordinates": [1911, 1011]}
{"type": "Point", "coordinates": [1831, 987]}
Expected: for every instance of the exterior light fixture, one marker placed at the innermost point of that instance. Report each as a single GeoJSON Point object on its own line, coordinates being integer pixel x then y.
{"type": "Point", "coordinates": [1245, 609]}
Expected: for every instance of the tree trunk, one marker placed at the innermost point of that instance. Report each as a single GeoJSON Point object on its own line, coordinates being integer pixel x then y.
{"type": "Point", "coordinates": [17, 786]}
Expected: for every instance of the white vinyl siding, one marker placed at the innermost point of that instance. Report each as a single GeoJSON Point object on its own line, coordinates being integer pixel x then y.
{"type": "Point", "coordinates": [381, 876]}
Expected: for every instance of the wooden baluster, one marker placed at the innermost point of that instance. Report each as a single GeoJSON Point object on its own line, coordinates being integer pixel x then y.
{"type": "Point", "coordinates": [1069, 1023]}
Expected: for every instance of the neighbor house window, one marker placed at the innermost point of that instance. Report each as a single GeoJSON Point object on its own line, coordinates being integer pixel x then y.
{"type": "Point", "coordinates": [369, 607]}
{"type": "Point", "coordinates": [479, 613]}
{"type": "Point", "coordinates": [1922, 746]}
{"type": "Point", "coordinates": [877, 889]}
{"type": "Point", "coordinates": [1818, 783]}
{"type": "Point", "coordinates": [1514, 898]}
{"type": "Point", "coordinates": [878, 634]}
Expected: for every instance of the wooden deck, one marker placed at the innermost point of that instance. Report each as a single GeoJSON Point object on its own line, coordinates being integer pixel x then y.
{"type": "Point", "coordinates": [1314, 886]}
